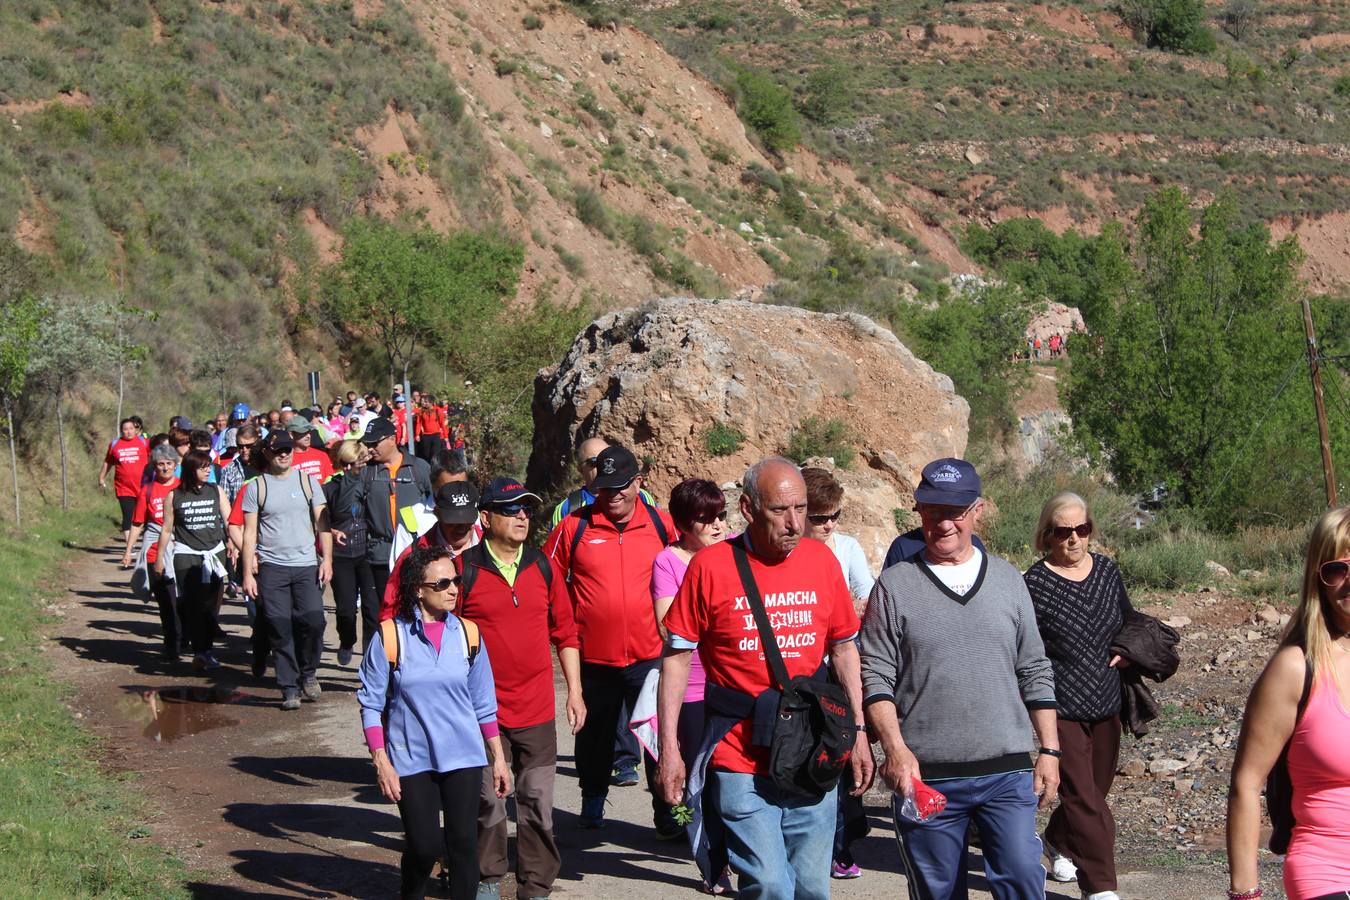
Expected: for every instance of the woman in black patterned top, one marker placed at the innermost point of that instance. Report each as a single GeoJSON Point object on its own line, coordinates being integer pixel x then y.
{"type": "Point", "coordinates": [1080, 604]}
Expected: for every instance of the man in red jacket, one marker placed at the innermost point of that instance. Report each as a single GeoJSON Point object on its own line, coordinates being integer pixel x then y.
{"type": "Point", "coordinates": [604, 552]}
{"type": "Point", "coordinates": [520, 602]}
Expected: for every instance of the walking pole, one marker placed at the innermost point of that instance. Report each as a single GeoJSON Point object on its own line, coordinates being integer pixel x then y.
{"type": "Point", "coordinates": [1328, 471]}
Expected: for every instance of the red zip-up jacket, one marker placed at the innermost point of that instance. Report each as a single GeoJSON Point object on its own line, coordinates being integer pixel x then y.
{"type": "Point", "coordinates": [518, 622]}
{"type": "Point", "coordinates": [611, 583]}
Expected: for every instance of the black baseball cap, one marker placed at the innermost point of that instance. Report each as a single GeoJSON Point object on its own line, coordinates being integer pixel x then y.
{"type": "Point", "coordinates": [507, 490]}
{"type": "Point", "coordinates": [615, 468]}
{"type": "Point", "coordinates": [948, 482]}
{"type": "Point", "coordinates": [457, 503]}
{"type": "Point", "coordinates": [377, 429]}
{"type": "Point", "coordinates": [278, 439]}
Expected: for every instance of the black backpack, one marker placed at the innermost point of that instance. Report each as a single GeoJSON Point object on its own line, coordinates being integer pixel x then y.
{"type": "Point", "coordinates": [1279, 788]}
{"type": "Point", "coordinates": [814, 732]}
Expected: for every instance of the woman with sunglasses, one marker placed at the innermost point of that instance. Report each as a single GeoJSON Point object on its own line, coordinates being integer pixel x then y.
{"type": "Point", "coordinates": [427, 720]}
{"type": "Point", "coordinates": [699, 510]}
{"type": "Point", "coordinates": [1080, 604]}
{"type": "Point", "coordinates": [1315, 651]}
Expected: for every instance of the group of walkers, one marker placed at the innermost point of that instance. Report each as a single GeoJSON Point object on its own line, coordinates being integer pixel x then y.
{"type": "Point", "coordinates": [991, 693]}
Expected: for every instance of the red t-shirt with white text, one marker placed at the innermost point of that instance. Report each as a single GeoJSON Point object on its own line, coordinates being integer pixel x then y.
{"type": "Point", "coordinates": [128, 459]}
{"type": "Point", "coordinates": [150, 508]}
{"type": "Point", "coordinates": [313, 462]}
{"type": "Point", "coordinates": [809, 608]}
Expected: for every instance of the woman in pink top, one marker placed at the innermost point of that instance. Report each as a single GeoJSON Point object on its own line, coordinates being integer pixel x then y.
{"type": "Point", "coordinates": [1317, 645]}
{"type": "Point", "coordinates": [700, 512]}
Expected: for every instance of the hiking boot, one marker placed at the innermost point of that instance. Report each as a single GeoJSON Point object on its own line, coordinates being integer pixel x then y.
{"type": "Point", "coordinates": [624, 777]}
{"type": "Point", "coordinates": [210, 661]}
{"type": "Point", "coordinates": [310, 690]}
{"type": "Point", "coordinates": [1061, 867]}
{"type": "Point", "coordinates": [290, 700]}
{"type": "Point", "coordinates": [344, 656]}
{"type": "Point", "coordinates": [669, 831]}
{"type": "Point", "coordinates": [592, 812]}
{"type": "Point", "coordinates": [259, 664]}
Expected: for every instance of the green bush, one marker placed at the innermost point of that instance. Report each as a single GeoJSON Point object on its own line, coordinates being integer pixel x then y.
{"type": "Point", "coordinates": [1177, 26]}
{"type": "Point", "coordinates": [506, 66]}
{"type": "Point", "coordinates": [532, 22]}
{"type": "Point", "coordinates": [722, 440]}
{"type": "Point", "coordinates": [827, 95]}
{"type": "Point", "coordinates": [571, 262]}
{"type": "Point", "coordinates": [766, 107]}
{"type": "Point", "coordinates": [591, 211]}
{"type": "Point", "coordinates": [1341, 86]}
{"type": "Point", "coordinates": [822, 437]}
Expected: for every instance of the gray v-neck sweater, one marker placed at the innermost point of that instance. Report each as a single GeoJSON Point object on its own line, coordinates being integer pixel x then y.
{"type": "Point", "coordinates": [962, 671]}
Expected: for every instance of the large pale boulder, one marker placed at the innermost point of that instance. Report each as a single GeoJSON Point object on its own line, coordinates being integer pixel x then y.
{"type": "Point", "coordinates": [657, 377]}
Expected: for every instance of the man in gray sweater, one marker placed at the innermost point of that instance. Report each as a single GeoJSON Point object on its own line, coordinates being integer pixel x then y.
{"type": "Point", "coordinates": [951, 653]}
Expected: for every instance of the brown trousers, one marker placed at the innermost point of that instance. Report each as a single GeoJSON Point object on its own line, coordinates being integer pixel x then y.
{"type": "Point", "coordinates": [1082, 826]}
{"type": "Point", "coordinates": [532, 754]}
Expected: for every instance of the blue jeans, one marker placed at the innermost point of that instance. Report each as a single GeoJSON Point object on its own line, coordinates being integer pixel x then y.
{"type": "Point", "coordinates": [934, 853]}
{"type": "Point", "coordinates": [781, 849]}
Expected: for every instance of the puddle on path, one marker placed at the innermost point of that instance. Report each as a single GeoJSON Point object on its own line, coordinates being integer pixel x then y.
{"type": "Point", "coordinates": [177, 712]}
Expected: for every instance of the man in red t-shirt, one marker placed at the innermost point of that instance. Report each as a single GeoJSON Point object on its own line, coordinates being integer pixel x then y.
{"type": "Point", "coordinates": [305, 458]}
{"type": "Point", "coordinates": [126, 458]}
{"type": "Point", "coordinates": [779, 848]}
{"type": "Point", "coordinates": [604, 553]}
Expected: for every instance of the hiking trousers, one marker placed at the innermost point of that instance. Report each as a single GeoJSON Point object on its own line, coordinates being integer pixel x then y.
{"type": "Point", "coordinates": [197, 601]}
{"type": "Point", "coordinates": [424, 798]}
{"type": "Point", "coordinates": [532, 754]}
{"type": "Point", "coordinates": [353, 580]}
{"type": "Point", "coordinates": [292, 604]}
{"type": "Point", "coordinates": [1082, 826]}
{"type": "Point", "coordinates": [606, 690]}
{"type": "Point", "coordinates": [165, 593]}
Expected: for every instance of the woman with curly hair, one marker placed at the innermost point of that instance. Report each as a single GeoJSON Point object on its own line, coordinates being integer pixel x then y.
{"type": "Point", "coordinates": [1312, 662]}
{"type": "Point", "coordinates": [429, 709]}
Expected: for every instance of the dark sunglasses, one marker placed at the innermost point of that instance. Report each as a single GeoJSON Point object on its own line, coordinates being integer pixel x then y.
{"type": "Point", "coordinates": [511, 510]}
{"type": "Point", "coordinates": [441, 585]}
{"type": "Point", "coordinates": [1333, 573]}
{"type": "Point", "coordinates": [1062, 532]}
{"type": "Point", "coordinates": [825, 518]}
{"type": "Point", "coordinates": [716, 517]}
{"type": "Point", "coordinates": [591, 461]}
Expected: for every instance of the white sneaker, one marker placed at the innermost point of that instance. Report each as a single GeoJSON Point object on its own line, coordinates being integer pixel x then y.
{"type": "Point", "coordinates": [1061, 867]}
{"type": "Point", "coordinates": [1102, 895]}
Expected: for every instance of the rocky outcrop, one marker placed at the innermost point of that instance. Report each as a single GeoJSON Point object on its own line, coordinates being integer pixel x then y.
{"type": "Point", "coordinates": [1055, 318]}
{"type": "Point", "coordinates": [656, 378]}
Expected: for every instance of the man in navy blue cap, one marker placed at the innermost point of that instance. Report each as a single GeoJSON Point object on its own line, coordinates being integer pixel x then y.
{"type": "Point", "coordinates": [950, 648]}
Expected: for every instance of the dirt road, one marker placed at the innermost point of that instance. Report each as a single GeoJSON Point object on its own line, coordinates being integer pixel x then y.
{"type": "Point", "coordinates": [262, 803]}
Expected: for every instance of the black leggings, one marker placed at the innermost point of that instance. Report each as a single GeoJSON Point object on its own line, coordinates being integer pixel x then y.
{"type": "Point", "coordinates": [425, 796]}
{"type": "Point", "coordinates": [352, 577]}
{"type": "Point", "coordinates": [128, 505]}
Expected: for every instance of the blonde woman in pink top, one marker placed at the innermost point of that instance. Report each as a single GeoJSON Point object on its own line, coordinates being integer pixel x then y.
{"type": "Point", "coordinates": [1317, 645]}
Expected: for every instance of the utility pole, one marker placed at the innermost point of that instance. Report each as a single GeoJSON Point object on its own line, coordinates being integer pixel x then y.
{"type": "Point", "coordinates": [1328, 471]}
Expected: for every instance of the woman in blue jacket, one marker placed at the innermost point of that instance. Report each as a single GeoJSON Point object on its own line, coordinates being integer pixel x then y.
{"type": "Point", "coordinates": [427, 720]}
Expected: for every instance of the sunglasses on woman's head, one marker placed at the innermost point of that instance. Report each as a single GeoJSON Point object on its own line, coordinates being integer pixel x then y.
{"type": "Point", "coordinates": [1062, 532]}
{"type": "Point", "coordinates": [1333, 572]}
{"type": "Point", "coordinates": [441, 584]}
{"type": "Point", "coordinates": [825, 518]}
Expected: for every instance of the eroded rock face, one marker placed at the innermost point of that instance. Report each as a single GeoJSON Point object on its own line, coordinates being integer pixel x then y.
{"type": "Point", "coordinates": [657, 377]}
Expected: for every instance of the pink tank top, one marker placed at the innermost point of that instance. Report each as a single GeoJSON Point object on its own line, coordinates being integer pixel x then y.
{"type": "Point", "coordinates": [1319, 768]}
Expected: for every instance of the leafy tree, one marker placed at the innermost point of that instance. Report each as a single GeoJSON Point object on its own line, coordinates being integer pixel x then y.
{"type": "Point", "coordinates": [420, 290]}
{"type": "Point", "coordinates": [73, 340]}
{"type": "Point", "coordinates": [1177, 26]}
{"type": "Point", "coordinates": [19, 318]}
{"type": "Point", "coordinates": [766, 107]}
{"type": "Point", "coordinates": [827, 95]}
{"type": "Point", "coordinates": [1193, 380]}
{"type": "Point", "coordinates": [970, 337]}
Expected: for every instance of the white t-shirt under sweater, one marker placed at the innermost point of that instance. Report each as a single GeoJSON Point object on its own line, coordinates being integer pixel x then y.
{"type": "Point", "coordinates": [959, 578]}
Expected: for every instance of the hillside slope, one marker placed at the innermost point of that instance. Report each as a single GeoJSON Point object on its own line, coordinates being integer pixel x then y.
{"type": "Point", "coordinates": [1000, 110]}
{"type": "Point", "coordinates": [202, 160]}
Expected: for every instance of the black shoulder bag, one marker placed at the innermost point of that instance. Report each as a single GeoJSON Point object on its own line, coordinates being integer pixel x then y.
{"type": "Point", "coordinates": [1279, 787]}
{"type": "Point", "coordinates": [814, 733]}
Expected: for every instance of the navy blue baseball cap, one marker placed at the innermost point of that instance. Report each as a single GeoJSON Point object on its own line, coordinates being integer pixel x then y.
{"type": "Point", "coordinates": [948, 482]}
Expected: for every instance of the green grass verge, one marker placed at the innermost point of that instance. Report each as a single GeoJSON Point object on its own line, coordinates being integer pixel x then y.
{"type": "Point", "coordinates": [67, 829]}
